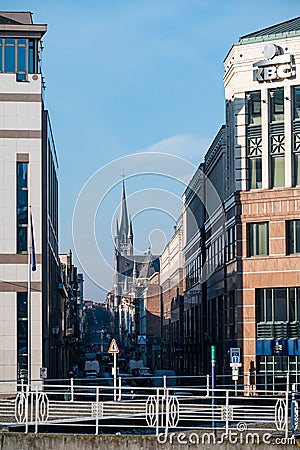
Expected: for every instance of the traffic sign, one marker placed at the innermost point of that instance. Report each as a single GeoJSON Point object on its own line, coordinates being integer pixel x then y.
{"type": "Point", "coordinates": [235, 355]}
{"type": "Point", "coordinates": [113, 347]}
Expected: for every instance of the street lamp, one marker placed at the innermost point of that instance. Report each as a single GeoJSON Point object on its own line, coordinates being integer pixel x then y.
{"type": "Point", "coordinates": [55, 332]}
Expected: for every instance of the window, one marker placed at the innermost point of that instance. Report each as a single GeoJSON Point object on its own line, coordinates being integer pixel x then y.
{"type": "Point", "coordinates": [254, 140]}
{"type": "Point", "coordinates": [22, 206]}
{"type": "Point", "coordinates": [296, 169]}
{"type": "Point", "coordinates": [230, 244]}
{"type": "Point", "coordinates": [22, 335]}
{"type": "Point", "coordinates": [276, 105]}
{"type": "Point", "coordinates": [258, 239]}
{"type": "Point", "coordinates": [278, 305]}
{"type": "Point", "coordinates": [296, 135]}
{"type": "Point", "coordinates": [254, 108]}
{"type": "Point", "coordinates": [255, 173]}
{"type": "Point", "coordinates": [296, 103]}
{"type": "Point", "coordinates": [292, 237]}
{"type": "Point", "coordinates": [18, 56]}
{"type": "Point", "coordinates": [277, 171]}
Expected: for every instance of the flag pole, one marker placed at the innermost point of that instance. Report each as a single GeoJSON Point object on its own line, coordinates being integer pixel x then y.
{"type": "Point", "coordinates": [29, 298]}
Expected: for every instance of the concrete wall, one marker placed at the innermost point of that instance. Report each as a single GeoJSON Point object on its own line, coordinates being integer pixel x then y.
{"type": "Point", "coordinates": [21, 441]}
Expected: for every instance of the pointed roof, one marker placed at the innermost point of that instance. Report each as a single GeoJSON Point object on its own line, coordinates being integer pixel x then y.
{"type": "Point", "coordinates": [287, 29]}
{"type": "Point", "coordinates": [124, 222]}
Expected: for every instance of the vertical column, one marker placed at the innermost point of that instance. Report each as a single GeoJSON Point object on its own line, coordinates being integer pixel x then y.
{"type": "Point", "coordinates": [288, 136]}
{"type": "Point", "coordinates": [265, 137]}
{"type": "Point", "coordinates": [239, 124]}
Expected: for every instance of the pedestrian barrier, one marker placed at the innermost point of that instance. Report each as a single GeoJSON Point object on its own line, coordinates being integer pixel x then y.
{"type": "Point", "coordinates": [155, 409]}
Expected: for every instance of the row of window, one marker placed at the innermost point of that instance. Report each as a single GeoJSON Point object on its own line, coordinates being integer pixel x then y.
{"type": "Point", "coordinates": [18, 56]}
{"type": "Point", "coordinates": [214, 257]}
{"type": "Point", "coordinates": [257, 245]}
{"type": "Point", "coordinates": [258, 238]}
{"type": "Point", "coordinates": [276, 138]}
{"type": "Point", "coordinates": [276, 105]}
{"type": "Point", "coordinates": [278, 305]}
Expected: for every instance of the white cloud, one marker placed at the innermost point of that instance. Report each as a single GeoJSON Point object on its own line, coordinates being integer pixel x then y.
{"type": "Point", "coordinates": [186, 146]}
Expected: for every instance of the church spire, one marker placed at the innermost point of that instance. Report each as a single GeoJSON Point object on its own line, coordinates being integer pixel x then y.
{"type": "Point", "coordinates": [124, 223]}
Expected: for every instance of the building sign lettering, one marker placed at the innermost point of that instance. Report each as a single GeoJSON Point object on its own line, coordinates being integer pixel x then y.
{"type": "Point", "coordinates": [274, 67]}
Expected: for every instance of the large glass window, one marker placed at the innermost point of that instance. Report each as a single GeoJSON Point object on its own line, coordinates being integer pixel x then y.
{"type": "Point", "coordinates": [276, 105]}
{"type": "Point", "coordinates": [254, 108]}
{"type": "Point", "coordinates": [9, 58]}
{"type": "Point", "coordinates": [255, 175]}
{"type": "Point", "coordinates": [22, 206]}
{"type": "Point", "coordinates": [296, 135]}
{"type": "Point", "coordinates": [296, 102]}
{"type": "Point", "coordinates": [18, 56]}
{"type": "Point", "coordinates": [293, 237]}
{"type": "Point", "coordinates": [278, 305]}
{"type": "Point", "coordinates": [254, 139]}
{"type": "Point", "coordinates": [230, 243]}
{"type": "Point", "coordinates": [258, 239]}
{"type": "Point", "coordinates": [22, 335]}
{"type": "Point", "coordinates": [296, 169]}
{"type": "Point", "coordinates": [277, 171]}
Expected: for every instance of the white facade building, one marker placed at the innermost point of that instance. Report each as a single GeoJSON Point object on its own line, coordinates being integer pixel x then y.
{"type": "Point", "coordinates": [28, 177]}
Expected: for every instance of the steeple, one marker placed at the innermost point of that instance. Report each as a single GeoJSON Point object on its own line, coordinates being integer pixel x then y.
{"type": "Point", "coordinates": [124, 223]}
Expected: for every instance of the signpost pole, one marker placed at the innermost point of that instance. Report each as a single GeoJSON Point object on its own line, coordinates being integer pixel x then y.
{"type": "Point", "coordinates": [115, 377]}
{"type": "Point", "coordinates": [235, 355]}
{"type": "Point", "coordinates": [213, 363]}
{"type": "Point", "coordinates": [113, 348]}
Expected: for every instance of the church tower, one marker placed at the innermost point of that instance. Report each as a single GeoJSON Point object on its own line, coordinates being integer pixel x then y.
{"type": "Point", "coordinates": [123, 250]}
{"type": "Point", "coordinates": [124, 231]}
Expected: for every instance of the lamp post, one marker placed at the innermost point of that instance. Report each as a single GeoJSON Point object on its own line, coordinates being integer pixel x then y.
{"type": "Point", "coordinates": [55, 332]}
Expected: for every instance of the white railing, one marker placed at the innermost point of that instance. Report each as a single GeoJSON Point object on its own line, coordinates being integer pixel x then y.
{"type": "Point", "coordinates": [75, 406]}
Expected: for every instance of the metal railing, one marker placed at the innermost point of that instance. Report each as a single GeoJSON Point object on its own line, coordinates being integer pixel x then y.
{"type": "Point", "coordinates": [84, 406]}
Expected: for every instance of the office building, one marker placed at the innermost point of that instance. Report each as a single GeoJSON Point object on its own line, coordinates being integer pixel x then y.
{"type": "Point", "coordinates": [28, 167]}
{"type": "Point", "coordinates": [241, 261]}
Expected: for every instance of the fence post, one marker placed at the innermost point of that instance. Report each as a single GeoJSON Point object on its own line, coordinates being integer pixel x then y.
{"type": "Point", "coordinates": [248, 386]}
{"type": "Point", "coordinates": [227, 412]}
{"type": "Point", "coordinates": [97, 410]}
{"type": "Point", "coordinates": [165, 382]}
{"type": "Point", "coordinates": [167, 412]}
{"type": "Point", "coordinates": [36, 410]}
{"type": "Point", "coordinates": [207, 385]}
{"type": "Point", "coordinates": [287, 413]}
{"type": "Point", "coordinates": [72, 389]}
{"type": "Point", "coordinates": [157, 411]}
{"type": "Point", "coordinates": [26, 408]}
{"type": "Point", "coordinates": [120, 389]}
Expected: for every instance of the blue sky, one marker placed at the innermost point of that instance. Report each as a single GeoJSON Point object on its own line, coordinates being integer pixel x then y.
{"type": "Point", "coordinates": [125, 76]}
